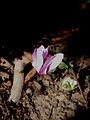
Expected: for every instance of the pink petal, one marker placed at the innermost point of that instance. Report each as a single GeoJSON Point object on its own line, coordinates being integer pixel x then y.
{"type": "Point", "coordinates": [46, 65]}
{"type": "Point", "coordinates": [37, 57]}
{"type": "Point", "coordinates": [56, 61]}
{"type": "Point", "coordinates": [43, 62]}
{"type": "Point", "coordinates": [51, 63]}
{"type": "Point", "coordinates": [45, 53]}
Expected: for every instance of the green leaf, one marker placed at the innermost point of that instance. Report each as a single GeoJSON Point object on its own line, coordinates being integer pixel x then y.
{"type": "Point", "coordinates": [62, 66]}
{"type": "Point", "coordinates": [88, 77]}
{"type": "Point", "coordinates": [87, 1]}
{"type": "Point", "coordinates": [69, 84]}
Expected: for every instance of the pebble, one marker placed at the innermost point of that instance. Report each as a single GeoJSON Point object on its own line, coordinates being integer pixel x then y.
{"type": "Point", "coordinates": [37, 85]}
{"type": "Point", "coordinates": [29, 91]}
{"type": "Point", "coordinates": [46, 83]}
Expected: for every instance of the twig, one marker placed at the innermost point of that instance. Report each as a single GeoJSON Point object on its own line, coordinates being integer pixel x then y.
{"type": "Point", "coordinates": [72, 30]}
{"type": "Point", "coordinates": [76, 78]}
{"type": "Point", "coordinates": [51, 112]}
{"type": "Point", "coordinates": [30, 75]}
{"type": "Point", "coordinates": [59, 39]}
{"type": "Point", "coordinates": [18, 82]}
{"type": "Point", "coordinates": [27, 57]}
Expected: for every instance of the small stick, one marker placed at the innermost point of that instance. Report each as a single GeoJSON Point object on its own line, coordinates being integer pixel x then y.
{"type": "Point", "coordinates": [18, 81]}
{"type": "Point", "coordinates": [27, 57]}
{"type": "Point", "coordinates": [30, 75]}
{"type": "Point", "coordinates": [76, 78]}
{"type": "Point", "coordinates": [59, 39]}
{"type": "Point", "coordinates": [70, 31]}
{"type": "Point", "coordinates": [51, 112]}
{"type": "Point", "coordinates": [73, 30]}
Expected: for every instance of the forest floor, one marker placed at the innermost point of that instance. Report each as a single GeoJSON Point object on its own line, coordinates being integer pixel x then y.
{"type": "Point", "coordinates": [43, 97]}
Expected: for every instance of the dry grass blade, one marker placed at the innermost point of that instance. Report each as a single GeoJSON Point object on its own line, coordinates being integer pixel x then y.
{"type": "Point", "coordinates": [30, 75]}
{"type": "Point", "coordinates": [76, 78]}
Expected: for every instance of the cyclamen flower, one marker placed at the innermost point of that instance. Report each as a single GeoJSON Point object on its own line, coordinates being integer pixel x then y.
{"type": "Point", "coordinates": [43, 61]}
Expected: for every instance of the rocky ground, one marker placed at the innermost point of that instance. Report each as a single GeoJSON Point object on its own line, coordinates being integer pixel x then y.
{"type": "Point", "coordinates": [43, 98]}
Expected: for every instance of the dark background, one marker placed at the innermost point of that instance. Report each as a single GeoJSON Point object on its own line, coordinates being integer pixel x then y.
{"type": "Point", "coordinates": [23, 21]}
{"type": "Point", "coordinates": [22, 25]}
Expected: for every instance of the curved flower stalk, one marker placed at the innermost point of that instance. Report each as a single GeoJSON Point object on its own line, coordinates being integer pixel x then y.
{"type": "Point", "coordinates": [43, 61]}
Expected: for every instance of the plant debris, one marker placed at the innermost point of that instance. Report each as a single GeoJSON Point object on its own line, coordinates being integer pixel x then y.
{"type": "Point", "coordinates": [18, 82]}
{"type": "Point", "coordinates": [69, 84]}
{"type": "Point", "coordinates": [57, 95]}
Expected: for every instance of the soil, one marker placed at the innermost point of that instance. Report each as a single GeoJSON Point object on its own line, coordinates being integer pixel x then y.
{"type": "Point", "coordinates": [43, 98]}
